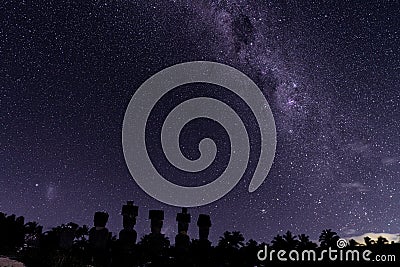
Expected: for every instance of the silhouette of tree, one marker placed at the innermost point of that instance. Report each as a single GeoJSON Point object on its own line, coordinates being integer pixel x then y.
{"type": "Point", "coordinates": [228, 248]}
{"type": "Point", "coordinates": [353, 243]}
{"type": "Point", "coordinates": [291, 240]}
{"type": "Point", "coordinates": [368, 241]}
{"type": "Point", "coordinates": [81, 240]}
{"type": "Point", "coordinates": [153, 247]}
{"type": "Point", "coordinates": [286, 242]}
{"type": "Point", "coordinates": [328, 238]}
{"type": "Point", "coordinates": [68, 245]}
{"type": "Point", "coordinates": [381, 241]}
{"type": "Point", "coordinates": [82, 233]}
{"type": "Point", "coordinates": [12, 233]}
{"type": "Point", "coordinates": [233, 240]}
{"type": "Point", "coordinates": [33, 232]}
{"type": "Point", "coordinates": [278, 242]}
{"type": "Point", "coordinates": [305, 243]}
{"type": "Point", "coordinates": [251, 244]}
{"type": "Point", "coordinates": [248, 251]}
{"type": "Point", "coordinates": [63, 245]}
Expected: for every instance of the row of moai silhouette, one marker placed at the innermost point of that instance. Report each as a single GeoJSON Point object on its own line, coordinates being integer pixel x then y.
{"type": "Point", "coordinates": [155, 243]}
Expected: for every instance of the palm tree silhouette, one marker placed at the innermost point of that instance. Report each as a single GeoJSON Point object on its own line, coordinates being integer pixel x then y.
{"type": "Point", "coordinates": [228, 248]}
{"type": "Point", "coordinates": [286, 242]}
{"type": "Point", "coordinates": [328, 238]}
{"type": "Point", "coordinates": [278, 242]}
{"type": "Point", "coordinates": [153, 247]}
{"type": "Point", "coordinates": [233, 240]}
{"type": "Point", "coordinates": [305, 242]}
{"type": "Point", "coordinates": [68, 245]}
{"type": "Point", "coordinates": [291, 240]}
{"type": "Point", "coordinates": [248, 251]}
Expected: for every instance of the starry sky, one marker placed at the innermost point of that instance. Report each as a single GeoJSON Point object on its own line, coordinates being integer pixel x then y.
{"type": "Point", "coordinates": [330, 71]}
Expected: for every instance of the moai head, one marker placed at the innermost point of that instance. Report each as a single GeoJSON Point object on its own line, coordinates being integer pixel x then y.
{"type": "Point", "coordinates": [129, 213]}
{"type": "Point", "coordinates": [204, 224]}
{"type": "Point", "coordinates": [100, 219]}
{"type": "Point", "coordinates": [156, 217]}
{"type": "Point", "coordinates": [183, 220]}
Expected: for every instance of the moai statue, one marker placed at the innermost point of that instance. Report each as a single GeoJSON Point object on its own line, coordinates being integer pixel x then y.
{"type": "Point", "coordinates": [157, 220]}
{"type": "Point", "coordinates": [204, 224]}
{"type": "Point", "coordinates": [157, 243]}
{"type": "Point", "coordinates": [182, 239]}
{"type": "Point", "coordinates": [124, 252]}
{"type": "Point", "coordinates": [202, 247]}
{"type": "Point", "coordinates": [128, 235]}
{"type": "Point", "coordinates": [99, 240]}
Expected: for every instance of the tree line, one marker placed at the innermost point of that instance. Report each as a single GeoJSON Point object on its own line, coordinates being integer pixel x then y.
{"type": "Point", "coordinates": [73, 245]}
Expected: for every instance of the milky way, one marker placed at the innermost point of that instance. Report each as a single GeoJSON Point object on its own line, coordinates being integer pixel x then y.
{"type": "Point", "coordinates": [330, 72]}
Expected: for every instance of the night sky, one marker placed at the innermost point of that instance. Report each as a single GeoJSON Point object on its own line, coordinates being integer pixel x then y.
{"type": "Point", "coordinates": [330, 71]}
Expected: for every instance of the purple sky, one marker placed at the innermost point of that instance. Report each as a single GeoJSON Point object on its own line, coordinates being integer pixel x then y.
{"type": "Point", "coordinates": [329, 70]}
